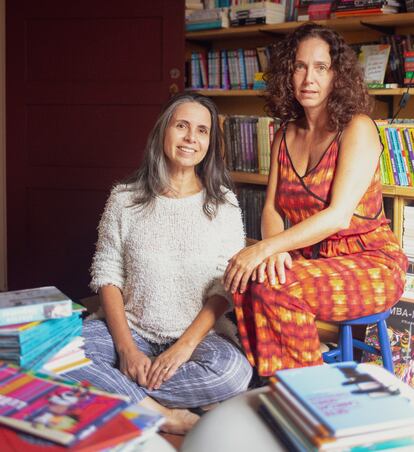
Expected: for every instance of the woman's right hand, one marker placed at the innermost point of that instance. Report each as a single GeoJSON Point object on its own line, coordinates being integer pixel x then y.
{"type": "Point", "coordinates": [271, 267]}
{"type": "Point", "coordinates": [134, 364]}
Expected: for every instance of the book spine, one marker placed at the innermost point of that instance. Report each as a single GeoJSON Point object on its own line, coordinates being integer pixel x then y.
{"type": "Point", "coordinates": [386, 153]}
{"type": "Point", "coordinates": [406, 159]}
{"type": "Point", "coordinates": [392, 157]}
{"type": "Point", "coordinates": [398, 157]}
{"type": "Point", "coordinates": [44, 329]}
{"type": "Point", "coordinates": [34, 353]}
{"type": "Point", "coordinates": [38, 363]}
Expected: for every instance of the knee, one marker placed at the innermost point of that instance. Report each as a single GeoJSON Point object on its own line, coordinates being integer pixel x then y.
{"type": "Point", "coordinates": [237, 375]}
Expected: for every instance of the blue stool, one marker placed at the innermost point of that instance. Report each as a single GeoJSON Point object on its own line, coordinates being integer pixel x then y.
{"type": "Point", "coordinates": [345, 349]}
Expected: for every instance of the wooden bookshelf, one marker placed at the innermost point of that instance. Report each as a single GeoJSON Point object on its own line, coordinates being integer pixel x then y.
{"type": "Point", "coordinates": [250, 102]}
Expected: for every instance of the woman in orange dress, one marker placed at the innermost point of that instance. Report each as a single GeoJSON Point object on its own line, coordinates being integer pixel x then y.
{"type": "Point", "coordinates": [339, 259]}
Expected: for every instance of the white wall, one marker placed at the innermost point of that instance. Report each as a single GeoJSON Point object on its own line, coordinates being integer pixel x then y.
{"type": "Point", "coordinates": [3, 267]}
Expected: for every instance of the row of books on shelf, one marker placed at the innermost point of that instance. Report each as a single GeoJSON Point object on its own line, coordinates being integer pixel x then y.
{"type": "Point", "coordinates": [390, 61]}
{"type": "Point", "coordinates": [227, 68]}
{"type": "Point", "coordinates": [401, 62]}
{"type": "Point", "coordinates": [344, 406]}
{"type": "Point", "coordinates": [39, 412]}
{"type": "Point", "coordinates": [273, 12]}
{"type": "Point", "coordinates": [263, 12]}
{"type": "Point", "coordinates": [247, 142]}
{"type": "Point", "coordinates": [397, 158]}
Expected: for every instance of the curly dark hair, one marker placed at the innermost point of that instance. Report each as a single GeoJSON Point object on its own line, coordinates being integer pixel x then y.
{"type": "Point", "coordinates": [349, 95]}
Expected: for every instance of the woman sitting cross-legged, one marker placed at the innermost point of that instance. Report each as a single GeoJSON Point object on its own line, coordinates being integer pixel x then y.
{"type": "Point", "coordinates": [164, 240]}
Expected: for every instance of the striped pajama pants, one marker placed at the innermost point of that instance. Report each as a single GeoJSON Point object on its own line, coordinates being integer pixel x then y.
{"type": "Point", "coordinates": [216, 371]}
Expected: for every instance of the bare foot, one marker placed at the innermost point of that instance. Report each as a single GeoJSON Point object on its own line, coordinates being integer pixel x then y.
{"type": "Point", "coordinates": [179, 422]}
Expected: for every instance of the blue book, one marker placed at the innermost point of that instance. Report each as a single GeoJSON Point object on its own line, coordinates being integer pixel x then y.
{"type": "Point", "coordinates": [349, 399]}
{"type": "Point", "coordinates": [25, 336]}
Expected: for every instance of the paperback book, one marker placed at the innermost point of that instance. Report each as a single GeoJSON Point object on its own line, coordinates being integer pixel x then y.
{"type": "Point", "coordinates": [117, 431]}
{"type": "Point", "coordinates": [30, 305]}
{"type": "Point", "coordinates": [54, 409]}
{"type": "Point", "coordinates": [348, 400]}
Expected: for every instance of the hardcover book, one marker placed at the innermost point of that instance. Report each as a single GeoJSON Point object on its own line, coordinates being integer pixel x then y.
{"type": "Point", "coordinates": [347, 399]}
{"type": "Point", "coordinates": [30, 305]}
{"type": "Point", "coordinates": [54, 409]}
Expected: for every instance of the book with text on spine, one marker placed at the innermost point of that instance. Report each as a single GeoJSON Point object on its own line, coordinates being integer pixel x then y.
{"type": "Point", "coordinates": [57, 410]}
{"type": "Point", "coordinates": [30, 305]}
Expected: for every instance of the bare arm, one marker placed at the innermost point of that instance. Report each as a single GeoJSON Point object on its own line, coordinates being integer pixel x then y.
{"type": "Point", "coordinates": [357, 162]}
{"type": "Point", "coordinates": [133, 363]}
{"type": "Point", "coordinates": [167, 363]}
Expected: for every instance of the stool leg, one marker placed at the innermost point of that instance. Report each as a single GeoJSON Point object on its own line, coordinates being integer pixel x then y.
{"type": "Point", "coordinates": [385, 346]}
{"type": "Point", "coordinates": [347, 352]}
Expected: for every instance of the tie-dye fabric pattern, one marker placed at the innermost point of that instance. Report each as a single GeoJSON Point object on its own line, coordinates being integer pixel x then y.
{"type": "Point", "coordinates": [355, 272]}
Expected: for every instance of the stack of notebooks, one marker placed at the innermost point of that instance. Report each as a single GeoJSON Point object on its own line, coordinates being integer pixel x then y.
{"type": "Point", "coordinates": [38, 412]}
{"type": "Point", "coordinates": [344, 406]}
{"type": "Point", "coordinates": [36, 324]}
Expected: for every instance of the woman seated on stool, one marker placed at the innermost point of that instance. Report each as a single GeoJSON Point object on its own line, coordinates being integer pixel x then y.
{"type": "Point", "coordinates": [339, 260]}
{"type": "Point", "coordinates": [164, 240]}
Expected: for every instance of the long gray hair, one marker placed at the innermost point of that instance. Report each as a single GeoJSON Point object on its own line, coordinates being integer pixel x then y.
{"type": "Point", "coordinates": [152, 177]}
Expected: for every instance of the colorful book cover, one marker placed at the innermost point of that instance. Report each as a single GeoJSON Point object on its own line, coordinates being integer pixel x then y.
{"type": "Point", "coordinates": [348, 400]}
{"type": "Point", "coordinates": [116, 431]}
{"type": "Point", "coordinates": [53, 409]}
{"type": "Point", "coordinates": [148, 421]}
{"type": "Point", "coordinates": [400, 326]}
{"type": "Point", "coordinates": [30, 305]}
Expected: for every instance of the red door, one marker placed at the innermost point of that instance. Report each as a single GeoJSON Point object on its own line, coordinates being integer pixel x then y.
{"type": "Point", "coordinates": [85, 80]}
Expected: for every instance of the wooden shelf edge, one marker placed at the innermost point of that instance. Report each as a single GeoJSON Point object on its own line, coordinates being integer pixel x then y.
{"type": "Point", "coordinates": [407, 300]}
{"type": "Point", "coordinates": [261, 179]}
{"type": "Point", "coordinates": [249, 178]}
{"type": "Point", "coordinates": [259, 92]}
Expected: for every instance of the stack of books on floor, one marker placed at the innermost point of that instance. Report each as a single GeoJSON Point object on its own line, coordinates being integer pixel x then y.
{"type": "Point", "coordinates": [36, 324]}
{"type": "Point", "coordinates": [342, 406]}
{"type": "Point", "coordinates": [38, 412]}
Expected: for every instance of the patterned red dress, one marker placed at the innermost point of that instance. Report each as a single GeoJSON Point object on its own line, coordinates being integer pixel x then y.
{"type": "Point", "coordinates": [355, 272]}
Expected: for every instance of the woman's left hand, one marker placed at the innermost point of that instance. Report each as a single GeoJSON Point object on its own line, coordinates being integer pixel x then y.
{"type": "Point", "coordinates": [241, 267]}
{"type": "Point", "coordinates": [166, 364]}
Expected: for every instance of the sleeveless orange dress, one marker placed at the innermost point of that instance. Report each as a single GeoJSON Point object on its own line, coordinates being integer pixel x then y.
{"type": "Point", "coordinates": [356, 272]}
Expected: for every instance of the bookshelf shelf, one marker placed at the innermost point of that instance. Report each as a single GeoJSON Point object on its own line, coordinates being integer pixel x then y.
{"type": "Point", "coordinates": [258, 93]}
{"type": "Point", "coordinates": [345, 24]}
{"type": "Point", "coordinates": [261, 179]}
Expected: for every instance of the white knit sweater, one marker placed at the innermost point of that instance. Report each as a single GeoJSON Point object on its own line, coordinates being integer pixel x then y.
{"type": "Point", "coordinates": [166, 260]}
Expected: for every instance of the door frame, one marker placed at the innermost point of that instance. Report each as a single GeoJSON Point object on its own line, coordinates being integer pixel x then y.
{"type": "Point", "coordinates": [3, 212]}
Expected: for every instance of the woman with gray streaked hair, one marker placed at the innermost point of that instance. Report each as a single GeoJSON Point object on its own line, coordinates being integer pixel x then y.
{"type": "Point", "coordinates": [164, 240]}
